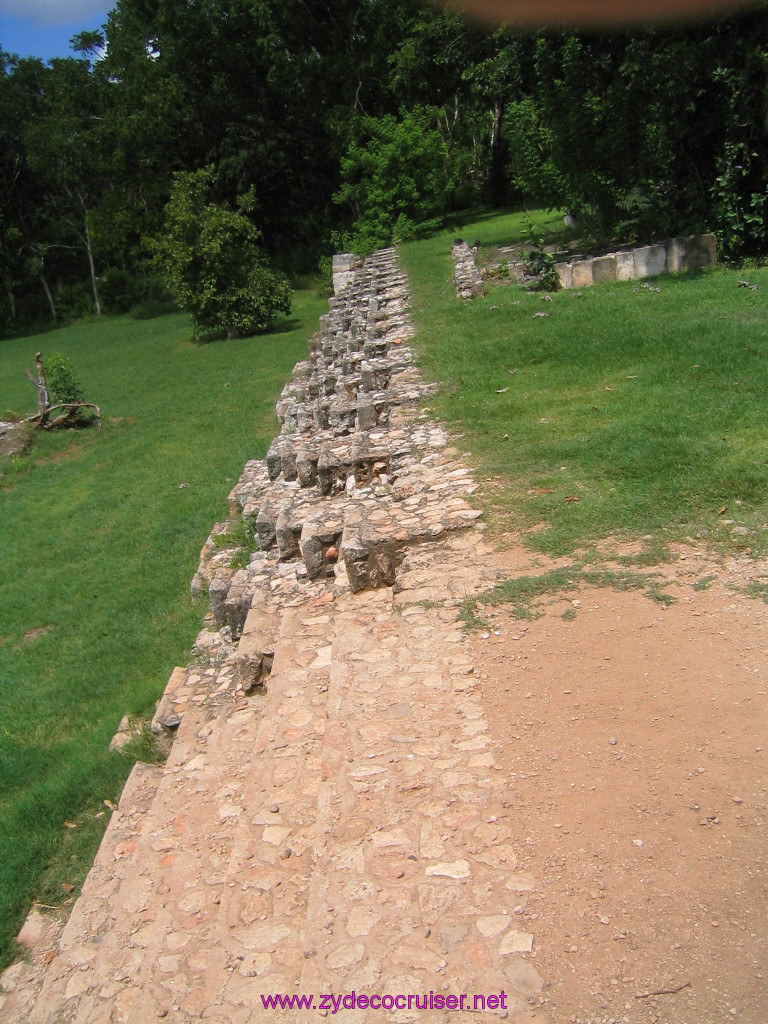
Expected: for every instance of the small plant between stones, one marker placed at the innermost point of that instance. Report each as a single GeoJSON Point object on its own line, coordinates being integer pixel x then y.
{"type": "Point", "coordinates": [541, 273]}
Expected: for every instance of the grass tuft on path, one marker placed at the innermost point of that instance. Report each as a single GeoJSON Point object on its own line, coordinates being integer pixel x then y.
{"type": "Point", "coordinates": [623, 411]}
{"type": "Point", "coordinates": [99, 543]}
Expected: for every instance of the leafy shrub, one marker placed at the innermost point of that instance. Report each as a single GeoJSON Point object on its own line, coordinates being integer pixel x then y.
{"type": "Point", "coordinates": [397, 176]}
{"type": "Point", "coordinates": [60, 378]}
{"type": "Point", "coordinates": [209, 256]}
{"type": "Point", "coordinates": [539, 263]}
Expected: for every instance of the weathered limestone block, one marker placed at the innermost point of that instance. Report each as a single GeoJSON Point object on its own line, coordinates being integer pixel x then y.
{"type": "Point", "coordinates": [343, 272]}
{"type": "Point", "coordinates": [381, 407]}
{"type": "Point", "coordinates": [306, 464]}
{"type": "Point", "coordinates": [15, 438]}
{"type": "Point", "coordinates": [217, 594]}
{"type": "Point", "coordinates": [691, 253]}
{"type": "Point", "coordinates": [251, 485]}
{"type": "Point", "coordinates": [702, 251]}
{"type": "Point", "coordinates": [288, 458]}
{"type": "Point", "coordinates": [287, 531]}
{"type": "Point", "coordinates": [238, 602]}
{"type": "Point", "coordinates": [366, 414]}
{"type": "Point", "coordinates": [677, 255]}
{"type": "Point", "coordinates": [603, 269]}
{"type": "Point", "coordinates": [650, 260]}
{"type": "Point", "coordinates": [369, 563]}
{"type": "Point", "coordinates": [275, 457]}
{"type": "Point", "coordinates": [327, 469]}
{"type": "Point", "coordinates": [304, 418]}
{"type": "Point", "coordinates": [375, 347]}
{"type": "Point", "coordinates": [266, 522]}
{"type": "Point", "coordinates": [256, 650]}
{"type": "Point", "coordinates": [581, 273]}
{"type": "Point", "coordinates": [341, 415]}
{"type": "Point", "coordinates": [167, 716]}
{"type": "Point", "coordinates": [564, 274]}
{"type": "Point", "coordinates": [320, 540]}
{"type": "Point", "coordinates": [468, 280]}
{"type": "Point", "coordinates": [625, 266]}
{"type": "Point", "coordinates": [383, 374]}
{"type": "Point", "coordinates": [367, 376]}
{"type": "Point", "coordinates": [321, 411]}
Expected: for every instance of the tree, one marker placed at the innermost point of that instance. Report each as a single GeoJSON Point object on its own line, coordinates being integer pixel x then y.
{"type": "Point", "coordinates": [210, 257]}
{"type": "Point", "coordinates": [397, 175]}
{"type": "Point", "coordinates": [66, 151]}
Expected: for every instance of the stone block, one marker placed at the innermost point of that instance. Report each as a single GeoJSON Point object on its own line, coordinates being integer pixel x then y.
{"type": "Point", "coordinates": [265, 526]}
{"type": "Point", "coordinates": [238, 602]}
{"type": "Point", "coordinates": [369, 568]}
{"type": "Point", "coordinates": [625, 266]}
{"type": "Point", "coordinates": [366, 413]}
{"type": "Point", "coordinates": [167, 717]}
{"type": "Point", "coordinates": [256, 650]}
{"type": "Point", "coordinates": [342, 262]}
{"type": "Point", "coordinates": [343, 272]}
{"type": "Point", "coordinates": [288, 461]}
{"type": "Point", "coordinates": [650, 260]}
{"type": "Point", "coordinates": [581, 271]}
{"type": "Point", "coordinates": [603, 269]}
{"type": "Point", "coordinates": [702, 251]}
{"type": "Point", "coordinates": [320, 541]}
{"type": "Point", "coordinates": [564, 274]}
{"type": "Point", "coordinates": [306, 466]}
{"type": "Point", "coordinates": [217, 594]}
{"type": "Point", "coordinates": [287, 532]}
{"type": "Point", "coordinates": [677, 255]}
{"type": "Point", "coordinates": [275, 458]}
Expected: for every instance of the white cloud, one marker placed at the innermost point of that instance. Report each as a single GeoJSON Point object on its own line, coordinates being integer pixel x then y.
{"type": "Point", "coordinates": [43, 13]}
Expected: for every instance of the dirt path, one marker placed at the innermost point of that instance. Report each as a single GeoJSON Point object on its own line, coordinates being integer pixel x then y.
{"type": "Point", "coordinates": [637, 737]}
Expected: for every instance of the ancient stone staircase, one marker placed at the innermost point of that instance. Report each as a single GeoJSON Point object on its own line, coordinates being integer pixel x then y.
{"type": "Point", "coordinates": [331, 818]}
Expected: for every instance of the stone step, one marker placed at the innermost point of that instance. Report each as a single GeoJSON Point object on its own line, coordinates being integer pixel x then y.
{"type": "Point", "coordinates": [416, 884]}
{"type": "Point", "coordinates": [115, 862]}
{"type": "Point", "coordinates": [103, 944]}
{"type": "Point", "coordinates": [212, 910]}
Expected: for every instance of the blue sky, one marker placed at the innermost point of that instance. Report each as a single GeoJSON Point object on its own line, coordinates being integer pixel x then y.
{"type": "Point", "coordinates": [43, 28]}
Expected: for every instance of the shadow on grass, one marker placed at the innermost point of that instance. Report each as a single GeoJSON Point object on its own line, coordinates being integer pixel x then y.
{"type": "Point", "coordinates": [287, 326]}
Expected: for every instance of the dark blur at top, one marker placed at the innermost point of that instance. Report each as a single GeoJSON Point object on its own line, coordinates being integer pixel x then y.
{"type": "Point", "coordinates": [595, 14]}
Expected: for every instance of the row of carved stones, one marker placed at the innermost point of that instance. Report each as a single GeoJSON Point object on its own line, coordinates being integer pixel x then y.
{"type": "Point", "coordinates": [673, 256]}
{"type": "Point", "coordinates": [327, 450]}
{"type": "Point", "coordinates": [469, 282]}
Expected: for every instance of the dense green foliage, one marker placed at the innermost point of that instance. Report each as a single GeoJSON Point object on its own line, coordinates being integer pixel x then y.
{"type": "Point", "coordinates": [651, 135]}
{"type": "Point", "coordinates": [361, 122]}
{"type": "Point", "coordinates": [61, 380]}
{"type": "Point", "coordinates": [99, 545]}
{"type": "Point", "coordinates": [210, 257]}
{"type": "Point", "coordinates": [623, 410]}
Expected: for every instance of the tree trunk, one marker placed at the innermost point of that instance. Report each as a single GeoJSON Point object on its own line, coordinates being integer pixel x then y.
{"type": "Point", "coordinates": [89, 250]}
{"type": "Point", "coordinates": [11, 301]}
{"type": "Point", "coordinates": [497, 178]}
{"type": "Point", "coordinates": [48, 296]}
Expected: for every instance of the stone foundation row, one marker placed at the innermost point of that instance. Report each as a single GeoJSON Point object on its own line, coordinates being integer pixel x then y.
{"type": "Point", "coordinates": [355, 475]}
{"type": "Point", "coordinates": [673, 256]}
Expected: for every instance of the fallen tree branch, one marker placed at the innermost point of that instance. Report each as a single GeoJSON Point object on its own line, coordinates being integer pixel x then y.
{"type": "Point", "coordinates": [663, 991]}
{"type": "Point", "coordinates": [69, 416]}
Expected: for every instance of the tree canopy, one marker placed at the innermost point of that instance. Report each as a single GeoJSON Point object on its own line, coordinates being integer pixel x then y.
{"type": "Point", "coordinates": [361, 122]}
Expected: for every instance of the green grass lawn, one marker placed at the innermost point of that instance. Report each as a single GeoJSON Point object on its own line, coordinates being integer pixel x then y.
{"type": "Point", "coordinates": [621, 412]}
{"type": "Point", "coordinates": [99, 544]}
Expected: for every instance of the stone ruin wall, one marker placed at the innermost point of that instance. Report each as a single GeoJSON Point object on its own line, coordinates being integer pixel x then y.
{"type": "Point", "coordinates": [354, 477]}
{"type": "Point", "coordinates": [672, 256]}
